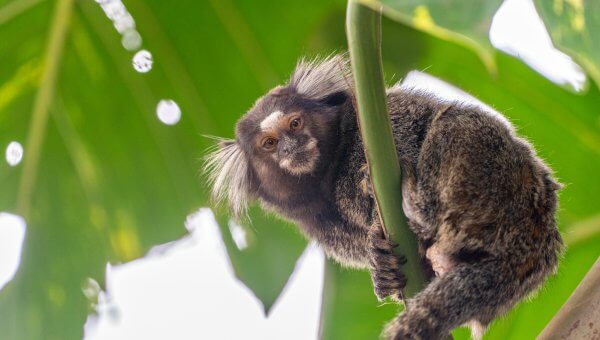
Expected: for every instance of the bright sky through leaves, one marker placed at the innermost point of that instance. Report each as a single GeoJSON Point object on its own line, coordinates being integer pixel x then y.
{"type": "Point", "coordinates": [12, 234]}
{"type": "Point", "coordinates": [186, 290]}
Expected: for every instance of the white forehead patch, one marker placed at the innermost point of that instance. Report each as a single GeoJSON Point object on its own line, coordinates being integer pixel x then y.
{"type": "Point", "coordinates": [270, 122]}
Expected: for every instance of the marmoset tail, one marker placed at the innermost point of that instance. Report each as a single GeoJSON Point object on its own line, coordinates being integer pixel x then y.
{"type": "Point", "coordinates": [480, 201]}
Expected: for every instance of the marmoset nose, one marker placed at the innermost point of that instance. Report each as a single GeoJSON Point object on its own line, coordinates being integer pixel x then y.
{"type": "Point", "coordinates": [287, 146]}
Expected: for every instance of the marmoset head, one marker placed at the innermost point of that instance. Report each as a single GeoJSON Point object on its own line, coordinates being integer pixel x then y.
{"type": "Point", "coordinates": [287, 134]}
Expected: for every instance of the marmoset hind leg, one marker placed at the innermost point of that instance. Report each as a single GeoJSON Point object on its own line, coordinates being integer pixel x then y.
{"type": "Point", "coordinates": [468, 293]}
{"type": "Point", "coordinates": [465, 293]}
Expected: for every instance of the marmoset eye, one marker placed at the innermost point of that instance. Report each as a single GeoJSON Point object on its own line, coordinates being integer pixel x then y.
{"type": "Point", "coordinates": [296, 124]}
{"type": "Point", "coordinates": [269, 143]}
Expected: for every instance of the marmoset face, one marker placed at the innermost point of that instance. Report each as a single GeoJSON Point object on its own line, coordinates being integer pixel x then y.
{"type": "Point", "coordinates": [283, 131]}
{"type": "Point", "coordinates": [291, 132]}
{"type": "Point", "coordinates": [286, 139]}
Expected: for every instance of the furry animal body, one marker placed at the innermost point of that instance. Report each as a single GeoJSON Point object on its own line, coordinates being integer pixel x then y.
{"type": "Point", "coordinates": [480, 201]}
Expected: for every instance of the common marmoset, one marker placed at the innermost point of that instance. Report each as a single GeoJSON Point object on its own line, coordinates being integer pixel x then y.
{"type": "Point", "coordinates": [480, 201]}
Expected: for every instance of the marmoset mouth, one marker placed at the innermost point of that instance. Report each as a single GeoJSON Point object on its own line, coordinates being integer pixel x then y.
{"type": "Point", "coordinates": [301, 162]}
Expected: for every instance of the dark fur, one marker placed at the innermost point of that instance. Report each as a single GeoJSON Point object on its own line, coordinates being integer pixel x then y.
{"type": "Point", "coordinates": [473, 191]}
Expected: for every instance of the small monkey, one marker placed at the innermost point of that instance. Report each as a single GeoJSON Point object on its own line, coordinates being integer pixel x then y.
{"type": "Point", "coordinates": [480, 201]}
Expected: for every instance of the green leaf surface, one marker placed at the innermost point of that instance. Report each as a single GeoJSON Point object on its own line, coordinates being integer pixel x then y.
{"type": "Point", "coordinates": [465, 22]}
{"type": "Point", "coordinates": [350, 309]}
{"type": "Point", "coordinates": [108, 179]}
{"type": "Point", "coordinates": [272, 246]}
{"type": "Point", "coordinates": [574, 26]}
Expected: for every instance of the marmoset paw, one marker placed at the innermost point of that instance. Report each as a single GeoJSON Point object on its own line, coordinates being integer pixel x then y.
{"type": "Point", "coordinates": [387, 278]}
{"type": "Point", "coordinates": [365, 183]}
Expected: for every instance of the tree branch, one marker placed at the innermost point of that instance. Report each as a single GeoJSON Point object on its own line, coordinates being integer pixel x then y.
{"type": "Point", "coordinates": [579, 317]}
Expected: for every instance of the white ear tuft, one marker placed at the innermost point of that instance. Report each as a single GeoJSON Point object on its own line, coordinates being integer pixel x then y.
{"type": "Point", "coordinates": [227, 170]}
{"type": "Point", "coordinates": [319, 78]}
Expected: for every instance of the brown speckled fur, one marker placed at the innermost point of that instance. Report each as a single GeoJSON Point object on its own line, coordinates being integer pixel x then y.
{"type": "Point", "coordinates": [479, 199]}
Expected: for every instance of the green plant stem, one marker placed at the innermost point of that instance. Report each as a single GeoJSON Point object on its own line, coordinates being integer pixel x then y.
{"type": "Point", "coordinates": [363, 27]}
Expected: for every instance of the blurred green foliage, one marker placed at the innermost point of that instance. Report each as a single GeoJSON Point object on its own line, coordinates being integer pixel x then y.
{"type": "Point", "coordinates": [466, 22]}
{"type": "Point", "coordinates": [111, 180]}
